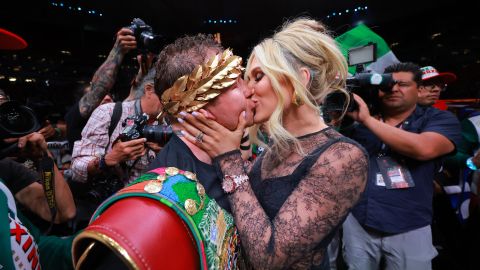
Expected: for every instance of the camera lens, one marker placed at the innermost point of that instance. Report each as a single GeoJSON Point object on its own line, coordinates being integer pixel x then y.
{"type": "Point", "coordinates": [16, 120]}
{"type": "Point", "coordinates": [158, 133]}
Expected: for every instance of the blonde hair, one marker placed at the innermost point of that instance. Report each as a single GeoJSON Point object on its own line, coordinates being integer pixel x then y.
{"type": "Point", "coordinates": [301, 43]}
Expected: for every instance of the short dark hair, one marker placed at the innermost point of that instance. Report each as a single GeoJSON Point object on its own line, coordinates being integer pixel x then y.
{"type": "Point", "coordinates": [181, 57]}
{"type": "Point", "coordinates": [406, 67]}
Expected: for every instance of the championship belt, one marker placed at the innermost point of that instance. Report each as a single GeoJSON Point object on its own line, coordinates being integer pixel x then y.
{"type": "Point", "coordinates": [163, 220]}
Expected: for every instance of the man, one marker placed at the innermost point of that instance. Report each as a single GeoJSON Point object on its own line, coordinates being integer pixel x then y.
{"type": "Point", "coordinates": [22, 244]}
{"type": "Point", "coordinates": [433, 83]}
{"type": "Point", "coordinates": [97, 153]}
{"type": "Point", "coordinates": [405, 144]}
{"type": "Point", "coordinates": [98, 91]}
{"type": "Point", "coordinates": [191, 181]}
{"type": "Point", "coordinates": [176, 60]}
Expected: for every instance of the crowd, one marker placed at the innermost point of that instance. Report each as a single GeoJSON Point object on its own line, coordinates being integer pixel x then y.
{"type": "Point", "coordinates": [172, 176]}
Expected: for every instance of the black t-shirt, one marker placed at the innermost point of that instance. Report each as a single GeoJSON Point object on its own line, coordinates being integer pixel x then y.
{"type": "Point", "coordinates": [75, 124]}
{"type": "Point", "coordinates": [15, 175]}
{"type": "Point", "coordinates": [177, 154]}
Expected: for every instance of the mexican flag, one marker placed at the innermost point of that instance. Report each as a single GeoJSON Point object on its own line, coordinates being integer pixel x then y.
{"type": "Point", "coordinates": [360, 36]}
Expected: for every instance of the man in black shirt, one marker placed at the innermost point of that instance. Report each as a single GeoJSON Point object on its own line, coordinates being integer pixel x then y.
{"type": "Point", "coordinates": [176, 60]}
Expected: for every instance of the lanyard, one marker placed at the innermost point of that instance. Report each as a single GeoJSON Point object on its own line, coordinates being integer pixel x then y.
{"type": "Point", "coordinates": [383, 148]}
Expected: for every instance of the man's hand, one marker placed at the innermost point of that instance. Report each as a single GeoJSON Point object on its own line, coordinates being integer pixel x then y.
{"type": "Point", "coordinates": [122, 151]}
{"type": "Point", "coordinates": [31, 146]}
{"type": "Point", "coordinates": [47, 130]}
{"type": "Point", "coordinates": [363, 113]}
{"type": "Point", "coordinates": [125, 40]}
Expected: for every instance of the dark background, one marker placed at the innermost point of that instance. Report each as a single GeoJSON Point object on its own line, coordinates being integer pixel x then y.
{"type": "Point", "coordinates": [67, 45]}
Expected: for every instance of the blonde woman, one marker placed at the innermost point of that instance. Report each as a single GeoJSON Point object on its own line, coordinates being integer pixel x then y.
{"type": "Point", "coordinates": [288, 205]}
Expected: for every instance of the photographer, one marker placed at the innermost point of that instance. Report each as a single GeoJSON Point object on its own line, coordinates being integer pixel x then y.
{"type": "Point", "coordinates": [25, 245]}
{"type": "Point", "coordinates": [405, 143]}
{"type": "Point", "coordinates": [98, 92]}
{"type": "Point", "coordinates": [34, 146]}
{"type": "Point", "coordinates": [98, 154]}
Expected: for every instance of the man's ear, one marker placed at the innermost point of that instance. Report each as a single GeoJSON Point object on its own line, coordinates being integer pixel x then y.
{"type": "Point", "coordinates": [148, 88]}
{"type": "Point", "coordinates": [305, 76]}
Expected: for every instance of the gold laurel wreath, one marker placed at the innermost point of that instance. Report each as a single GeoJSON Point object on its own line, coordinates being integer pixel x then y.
{"type": "Point", "coordinates": [192, 92]}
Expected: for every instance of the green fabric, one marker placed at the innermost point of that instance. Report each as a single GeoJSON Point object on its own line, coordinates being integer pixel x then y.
{"type": "Point", "coordinates": [5, 255]}
{"type": "Point", "coordinates": [360, 36]}
{"type": "Point", "coordinates": [469, 143]}
{"type": "Point", "coordinates": [186, 191]}
{"type": "Point", "coordinates": [54, 252]}
{"type": "Point", "coordinates": [143, 178]}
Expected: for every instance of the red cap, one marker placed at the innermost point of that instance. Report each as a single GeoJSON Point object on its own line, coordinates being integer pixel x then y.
{"type": "Point", "coordinates": [430, 72]}
{"type": "Point", "coordinates": [11, 41]}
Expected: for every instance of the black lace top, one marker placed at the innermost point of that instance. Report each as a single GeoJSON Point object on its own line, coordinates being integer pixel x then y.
{"type": "Point", "coordinates": [293, 202]}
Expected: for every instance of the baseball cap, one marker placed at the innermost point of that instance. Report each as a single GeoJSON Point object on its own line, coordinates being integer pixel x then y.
{"type": "Point", "coordinates": [430, 72]}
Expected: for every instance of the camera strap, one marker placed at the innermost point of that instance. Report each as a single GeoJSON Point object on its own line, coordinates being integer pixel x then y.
{"type": "Point", "coordinates": [46, 166]}
{"type": "Point", "coordinates": [116, 114]}
{"type": "Point", "coordinates": [138, 107]}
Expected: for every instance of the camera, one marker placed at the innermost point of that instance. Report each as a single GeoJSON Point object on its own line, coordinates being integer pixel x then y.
{"type": "Point", "coordinates": [16, 121]}
{"type": "Point", "coordinates": [364, 84]}
{"type": "Point", "coordinates": [136, 127]}
{"type": "Point", "coordinates": [147, 41]}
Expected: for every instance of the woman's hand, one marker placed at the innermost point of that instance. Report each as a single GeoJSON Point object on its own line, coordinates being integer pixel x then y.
{"type": "Point", "coordinates": [210, 136]}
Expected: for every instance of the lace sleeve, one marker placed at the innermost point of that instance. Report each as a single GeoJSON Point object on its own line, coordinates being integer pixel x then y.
{"type": "Point", "coordinates": [318, 204]}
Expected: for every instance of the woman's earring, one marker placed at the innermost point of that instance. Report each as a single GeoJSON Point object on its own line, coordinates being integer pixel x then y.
{"type": "Point", "coordinates": [296, 99]}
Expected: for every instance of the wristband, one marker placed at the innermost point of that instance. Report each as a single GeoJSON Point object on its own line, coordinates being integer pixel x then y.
{"type": "Point", "coordinates": [102, 165]}
{"type": "Point", "coordinates": [232, 182]}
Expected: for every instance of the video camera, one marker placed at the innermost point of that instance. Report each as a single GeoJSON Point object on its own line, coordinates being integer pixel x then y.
{"type": "Point", "coordinates": [136, 127]}
{"type": "Point", "coordinates": [364, 84]}
{"type": "Point", "coordinates": [15, 121]}
{"type": "Point", "coordinates": [147, 41]}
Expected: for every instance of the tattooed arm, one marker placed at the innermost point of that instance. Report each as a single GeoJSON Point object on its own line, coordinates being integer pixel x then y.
{"type": "Point", "coordinates": [104, 78]}
{"type": "Point", "coordinates": [318, 204]}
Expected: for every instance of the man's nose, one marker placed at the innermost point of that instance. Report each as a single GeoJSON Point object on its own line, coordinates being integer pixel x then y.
{"type": "Point", "coordinates": [436, 88]}
{"type": "Point", "coordinates": [395, 88]}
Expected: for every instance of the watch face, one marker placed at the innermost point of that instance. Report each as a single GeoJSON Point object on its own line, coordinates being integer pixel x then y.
{"type": "Point", "coordinates": [228, 185]}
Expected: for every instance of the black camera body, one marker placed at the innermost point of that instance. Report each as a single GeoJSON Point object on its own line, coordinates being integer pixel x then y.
{"type": "Point", "coordinates": [147, 41]}
{"type": "Point", "coordinates": [136, 127]}
{"type": "Point", "coordinates": [365, 85]}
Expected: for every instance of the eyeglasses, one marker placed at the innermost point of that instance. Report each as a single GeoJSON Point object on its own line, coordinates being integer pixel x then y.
{"type": "Point", "coordinates": [431, 86]}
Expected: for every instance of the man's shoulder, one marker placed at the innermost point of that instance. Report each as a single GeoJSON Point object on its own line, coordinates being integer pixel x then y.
{"type": "Point", "coordinates": [429, 116]}
{"type": "Point", "coordinates": [104, 108]}
{"type": "Point", "coordinates": [435, 114]}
